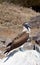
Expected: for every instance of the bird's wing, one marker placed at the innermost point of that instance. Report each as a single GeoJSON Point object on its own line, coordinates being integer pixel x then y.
{"type": "Point", "coordinates": [17, 37]}
{"type": "Point", "coordinates": [18, 41]}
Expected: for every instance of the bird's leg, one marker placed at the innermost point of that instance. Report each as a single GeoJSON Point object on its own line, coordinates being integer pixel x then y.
{"type": "Point", "coordinates": [21, 48]}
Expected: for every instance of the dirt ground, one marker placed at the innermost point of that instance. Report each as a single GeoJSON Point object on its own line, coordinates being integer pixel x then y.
{"type": "Point", "coordinates": [11, 19]}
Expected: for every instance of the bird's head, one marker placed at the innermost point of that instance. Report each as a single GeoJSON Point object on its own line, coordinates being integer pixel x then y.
{"type": "Point", "coordinates": [26, 27]}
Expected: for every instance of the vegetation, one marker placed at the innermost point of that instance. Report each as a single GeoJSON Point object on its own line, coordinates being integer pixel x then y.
{"type": "Point", "coordinates": [24, 2]}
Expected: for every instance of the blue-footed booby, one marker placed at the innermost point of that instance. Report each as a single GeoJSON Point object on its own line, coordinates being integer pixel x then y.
{"type": "Point", "coordinates": [20, 39]}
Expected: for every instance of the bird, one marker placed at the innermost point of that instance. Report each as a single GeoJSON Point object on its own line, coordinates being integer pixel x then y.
{"type": "Point", "coordinates": [20, 39]}
{"type": "Point", "coordinates": [36, 43]}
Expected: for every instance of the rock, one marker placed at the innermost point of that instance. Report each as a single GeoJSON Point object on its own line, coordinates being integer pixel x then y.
{"type": "Point", "coordinates": [35, 22]}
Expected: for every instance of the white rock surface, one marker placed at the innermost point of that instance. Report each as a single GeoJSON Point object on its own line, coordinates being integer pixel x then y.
{"type": "Point", "coordinates": [29, 57]}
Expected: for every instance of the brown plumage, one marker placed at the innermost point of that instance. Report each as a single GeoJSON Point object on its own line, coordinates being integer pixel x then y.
{"type": "Point", "coordinates": [18, 41]}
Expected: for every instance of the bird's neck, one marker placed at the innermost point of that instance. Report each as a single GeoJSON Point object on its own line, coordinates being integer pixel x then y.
{"type": "Point", "coordinates": [26, 30]}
